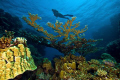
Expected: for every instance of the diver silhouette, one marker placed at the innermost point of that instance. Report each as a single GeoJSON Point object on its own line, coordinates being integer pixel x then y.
{"type": "Point", "coordinates": [57, 14]}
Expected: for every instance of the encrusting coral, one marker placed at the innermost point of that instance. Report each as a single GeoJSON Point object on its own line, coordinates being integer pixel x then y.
{"type": "Point", "coordinates": [68, 38]}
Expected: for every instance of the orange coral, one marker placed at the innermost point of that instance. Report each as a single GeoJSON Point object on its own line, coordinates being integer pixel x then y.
{"type": "Point", "coordinates": [32, 20]}
{"type": "Point", "coordinates": [5, 42]}
{"type": "Point", "coordinates": [68, 30]}
{"type": "Point", "coordinates": [71, 38]}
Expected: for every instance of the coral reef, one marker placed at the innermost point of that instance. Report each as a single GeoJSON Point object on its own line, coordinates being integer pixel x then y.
{"type": "Point", "coordinates": [15, 56]}
{"type": "Point", "coordinates": [15, 60]}
{"type": "Point", "coordinates": [77, 68]}
{"type": "Point", "coordinates": [71, 38]}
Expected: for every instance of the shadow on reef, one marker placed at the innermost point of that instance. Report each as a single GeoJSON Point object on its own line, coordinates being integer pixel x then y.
{"type": "Point", "coordinates": [8, 22]}
{"type": "Point", "coordinates": [113, 48]}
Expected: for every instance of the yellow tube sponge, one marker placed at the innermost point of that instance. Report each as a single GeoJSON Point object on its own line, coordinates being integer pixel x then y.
{"type": "Point", "coordinates": [14, 61]}
{"type": "Point", "coordinates": [62, 74]}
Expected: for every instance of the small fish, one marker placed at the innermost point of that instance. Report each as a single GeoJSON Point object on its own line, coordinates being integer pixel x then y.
{"type": "Point", "coordinates": [57, 14]}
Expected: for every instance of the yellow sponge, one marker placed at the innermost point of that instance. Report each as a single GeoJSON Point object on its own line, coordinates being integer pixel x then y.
{"type": "Point", "coordinates": [14, 61]}
{"type": "Point", "coordinates": [69, 67]}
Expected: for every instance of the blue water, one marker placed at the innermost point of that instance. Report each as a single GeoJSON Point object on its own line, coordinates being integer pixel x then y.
{"type": "Point", "coordinates": [94, 13]}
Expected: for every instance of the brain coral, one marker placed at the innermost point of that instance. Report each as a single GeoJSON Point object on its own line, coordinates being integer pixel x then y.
{"type": "Point", "coordinates": [14, 61]}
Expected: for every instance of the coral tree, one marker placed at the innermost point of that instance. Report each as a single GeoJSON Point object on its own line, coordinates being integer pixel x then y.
{"type": "Point", "coordinates": [71, 37]}
{"type": "Point", "coordinates": [14, 59]}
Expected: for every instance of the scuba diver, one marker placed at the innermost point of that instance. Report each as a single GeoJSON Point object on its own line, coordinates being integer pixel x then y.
{"type": "Point", "coordinates": [57, 14]}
